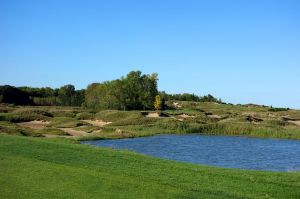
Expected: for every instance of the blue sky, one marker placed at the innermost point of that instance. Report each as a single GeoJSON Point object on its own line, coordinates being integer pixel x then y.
{"type": "Point", "coordinates": [241, 51]}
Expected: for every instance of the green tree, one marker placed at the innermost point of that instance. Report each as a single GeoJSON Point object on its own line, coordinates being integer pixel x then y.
{"type": "Point", "coordinates": [65, 94]}
{"type": "Point", "coordinates": [157, 103]}
{"type": "Point", "coordinates": [13, 95]}
{"type": "Point", "coordinates": [134, 91]}
{"type": "Point", "coordinates": [163, 104]}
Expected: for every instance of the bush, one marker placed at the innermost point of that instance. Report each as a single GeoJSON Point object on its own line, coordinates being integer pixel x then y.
{"type": "Point", "coordinates": [278, 109]}
{"type": "Point", "coordinates": [60, 113]}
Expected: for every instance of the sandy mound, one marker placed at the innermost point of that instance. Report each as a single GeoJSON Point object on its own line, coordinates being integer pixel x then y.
{"type": "Point", "coordinates": [295, 122]}
{"type": "Point", "coordinates": [34, 124]}
{"type": "Point", "coordinates": [99, 123]}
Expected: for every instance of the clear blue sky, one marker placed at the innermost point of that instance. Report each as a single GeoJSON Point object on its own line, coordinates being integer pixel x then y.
{"type": "Point", "coordinates": [239, 50]}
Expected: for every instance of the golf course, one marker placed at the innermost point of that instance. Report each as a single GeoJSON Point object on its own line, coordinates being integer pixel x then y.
{"type": "Point", "coordinates": [140, 99]}
{"type": "Point", "coordinates": [41, 155]}
{"type": "Point", "coordinates": [52, 168]}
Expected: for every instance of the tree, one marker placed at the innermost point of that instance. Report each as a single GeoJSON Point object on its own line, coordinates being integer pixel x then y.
{"type": "Point", "coordinates": [157, 102]}
{"type": "Point", "coordinates": [210, 98]}
{"type": "Point", "coordinates": [13, 95]}
{"type": "Point", "coordinates": [65, 94]}
{"type": "Point", "coordinates": [163, 104]}
{"type": "Point", "coordinates": [136, 91]}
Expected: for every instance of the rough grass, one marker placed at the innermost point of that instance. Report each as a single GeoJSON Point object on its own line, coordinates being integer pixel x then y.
{"type": "Point", "coordinates": [63, 113]}
{"type": "Point", "coordinates": [6, 108]}
{"type": "Point", "coordinates": [85, 116]}
{"type": "Point", "coordinates": [24, 115]}
{"type": "Point", "coordinates": [51, 131]}
{"type": "Point", "coordinates": [231, 120]}
{"type": "Point", "coordinates": [88, 129]}
{"type": "Point", "coordinates": [39, 168]}
{"type": "Point", "coordinates": [66, 122]}
{"type": "Point", "coordinates": [14, 129]}
{"type": "Point", "coordinates": [271, 128]}
{"type": "Point", "coordinates": [114, 115]}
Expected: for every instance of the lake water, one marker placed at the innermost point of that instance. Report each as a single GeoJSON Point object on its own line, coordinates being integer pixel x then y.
{"type": "Point", "coordinates": [221, 151]}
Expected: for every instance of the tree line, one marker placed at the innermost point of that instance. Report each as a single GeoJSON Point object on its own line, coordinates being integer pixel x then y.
{"type": "Point", "coordinates": [63, 96]}
{"type": "Point", "coordinates": [135, 91]}
{"type": "Point", "coordinates": [189, 97]}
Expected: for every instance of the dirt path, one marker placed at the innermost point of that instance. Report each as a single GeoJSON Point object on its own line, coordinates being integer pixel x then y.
{"type": "Point", "coordinates": [34, 124]}
{"type": "Point", "coordinates": [99, 123]}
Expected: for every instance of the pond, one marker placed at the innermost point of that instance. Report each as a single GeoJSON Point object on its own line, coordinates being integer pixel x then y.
{"type": "Point", "coordinates": [220, 151]}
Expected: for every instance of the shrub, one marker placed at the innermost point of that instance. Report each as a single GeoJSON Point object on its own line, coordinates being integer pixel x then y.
{"type": "Point", "coordinates": [62, 113]}
{"type": "Point", "coordinates": [278, 109]}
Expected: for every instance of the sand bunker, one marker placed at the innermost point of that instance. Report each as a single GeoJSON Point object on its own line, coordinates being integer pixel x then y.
{"type": "Point", "coordinates": [156, 115]}
{"type": "Point", "coordinates": [99, 123]}
{"type": "Point", "coordinates": [71, 132]}
{"type": "Point", "coordinates": [34, 124]}
{"type": "Point", "coordinates": [152, 115]}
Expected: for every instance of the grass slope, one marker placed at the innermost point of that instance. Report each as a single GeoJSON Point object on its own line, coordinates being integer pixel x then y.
{"type": "Point", "coordinates": [45, 168]}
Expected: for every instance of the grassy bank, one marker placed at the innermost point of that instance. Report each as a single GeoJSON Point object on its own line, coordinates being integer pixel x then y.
{"type": "Point", "coordinates": [47, 168]}
{"type": "Point", "coordinates": [193, 117]}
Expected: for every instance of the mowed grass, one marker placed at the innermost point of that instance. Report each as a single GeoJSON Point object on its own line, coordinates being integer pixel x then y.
{"type": "Point", "coordinates": [51, 168]}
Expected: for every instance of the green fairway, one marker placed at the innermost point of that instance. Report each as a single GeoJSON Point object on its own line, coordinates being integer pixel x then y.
{"type": "Point", "coordinates": [57, 168]}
